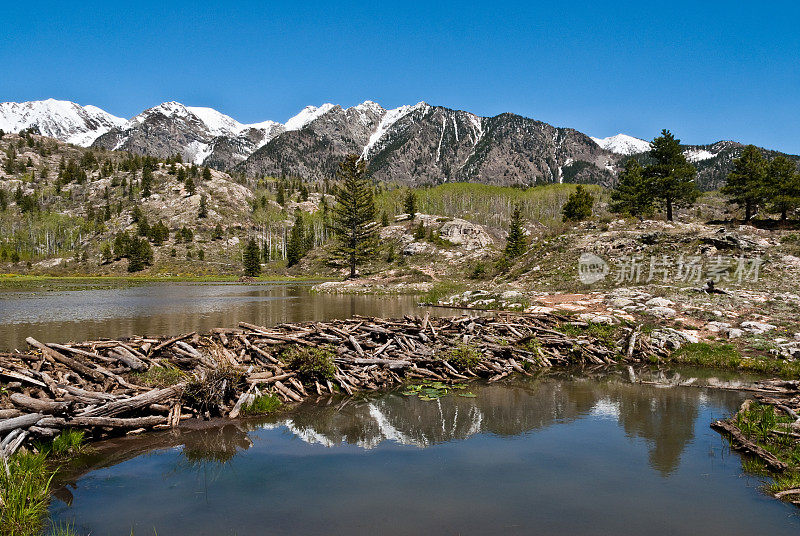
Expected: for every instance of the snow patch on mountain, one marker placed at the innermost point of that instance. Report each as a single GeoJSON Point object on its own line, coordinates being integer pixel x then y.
{"type": "Point", "coordinates": [217, 123]}
{"type": "Point", "coordinates": [389, 119]}
{"type": "Point", "coordinates": [623, 144]}
{"type": "Point", "coordinates": [697, 155]}
{"type": "Point", "coordinates": [307, 115]}
{"type": "Point", "coordinates": [64, 120]}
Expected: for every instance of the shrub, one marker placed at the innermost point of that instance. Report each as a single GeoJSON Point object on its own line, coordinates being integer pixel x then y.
{"type": "Point", "coordinates": [463, 356]}
{"type": "Point", "coordinates": [579, 205]}
{"type": "Point", "coordinates": [311, 363]}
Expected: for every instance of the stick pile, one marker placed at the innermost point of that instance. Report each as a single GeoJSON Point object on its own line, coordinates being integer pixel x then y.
{"type": "Point", "coordinates": [97, 385]}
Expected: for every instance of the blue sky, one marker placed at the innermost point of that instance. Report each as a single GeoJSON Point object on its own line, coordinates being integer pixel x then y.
{"type": "Point", "coordinates": [705, 70]}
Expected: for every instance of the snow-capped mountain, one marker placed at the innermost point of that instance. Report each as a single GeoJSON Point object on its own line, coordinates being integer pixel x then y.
{"type": "Point", "coordinates": [63, 120]}
{"type": "Point", "coordinates": [411, 144]}
{"type": "Point", "coordinates": [425, 144]}
{"type": "Point", "coordinates": [195, 133]}
{"type": "Point", "coordinates": [623, 144]}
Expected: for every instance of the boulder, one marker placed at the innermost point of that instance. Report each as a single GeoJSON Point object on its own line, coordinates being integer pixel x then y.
{"type": "Point", "coordinates": [469, 236]}
{"type": "Point", "coordinates": [659, 302]}
{"type": "Point", "coordinates": [757, 328]}
{"type": "Point", "coordinates": [662, 312]}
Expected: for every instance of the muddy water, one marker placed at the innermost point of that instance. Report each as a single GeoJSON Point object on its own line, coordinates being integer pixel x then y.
{"type": "Point", "coordinates": [562, 453]}
{"type": "Point", "coordinates": [61, 312]}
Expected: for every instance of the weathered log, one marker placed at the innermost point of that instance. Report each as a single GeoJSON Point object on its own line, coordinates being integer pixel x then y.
{"type": "Point", "coordinates": [288, 392]}
{"type": "Point", "coordinates": [21, 377]}
{"type": "Point", "coordinates": [100, 422]}
{"type": "Point", "coordinates": [131, 404]}
{"type": "Point", "coordinates": [54, 355]}
{"type": "Point", "coordinates": [740, 442]}
{"type": "Point", "coordinates": [130, 360]}
{"type": "Point", "coordinates": [784, 493]}
{"type": "Point", "coordinates": [166, 343]}
{"type": "Point", "coordinates": [37, 405]}
{"type": "Point", "coordinates": [9, 413]}
{"type": "Point", "coordinates": [23, 421]}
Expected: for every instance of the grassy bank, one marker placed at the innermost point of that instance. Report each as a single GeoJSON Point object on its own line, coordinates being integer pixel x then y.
{"type": "Point", "coordinates": [729, 357]}
{"type": "Point", "coordinates": [773, 432]}
{"type": "Point", "coordinates": [25, 486]}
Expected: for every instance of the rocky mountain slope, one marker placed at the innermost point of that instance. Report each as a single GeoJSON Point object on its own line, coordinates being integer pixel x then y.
{"type": "Point", "coordinates": [413, 144]}
{"type": "Point", "coordinates": [424, 144]}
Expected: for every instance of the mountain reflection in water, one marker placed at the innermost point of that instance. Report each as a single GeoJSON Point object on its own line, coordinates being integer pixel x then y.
{"type": "Point", "coordinates": [664, 417]}
{"type": "Point", "coordinates": [561, 453]}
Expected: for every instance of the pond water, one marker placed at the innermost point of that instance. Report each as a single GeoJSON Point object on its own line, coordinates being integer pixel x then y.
{"type": "Point", "coordinates": [560, 453]}
{"type": "Point", "coordinates": [67, 311]}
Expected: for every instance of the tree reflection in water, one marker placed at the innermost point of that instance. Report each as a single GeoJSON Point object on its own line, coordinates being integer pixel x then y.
{"type": "Point", "coordinates": [663, 417]}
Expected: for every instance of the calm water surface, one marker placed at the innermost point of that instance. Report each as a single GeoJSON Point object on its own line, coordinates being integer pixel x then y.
{"type": "Point", "coordinates": [61, 312]}
{"type": "Point", "coordinates": [560, 454]}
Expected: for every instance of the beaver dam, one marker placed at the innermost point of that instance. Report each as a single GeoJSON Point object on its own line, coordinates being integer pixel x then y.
{"type": "Point", "coordinates": [115, 388]}
{"type": "Point", "coordinates": [139, 383]}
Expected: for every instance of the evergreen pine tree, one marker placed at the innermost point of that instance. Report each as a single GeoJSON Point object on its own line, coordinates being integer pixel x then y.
{"type": "Point", "coordinates": [782, 188]}
{"type": "Point", "coordinates": [251, 259]}
{"type": "Point", "coordinates": [354, 214]}
{"type": "Point", "coordinates": [632, 195]}
{"type": "Point", "coordinates": [295, 248]}
{"type": "Point", "coordinates": [203, 211]}
{"type": "Point", "coordinates": [410, 204]}
{"type": "Point", "coordinates": [106, 254]}
{"type": "Point", "coordinates": [579, 205]}
{"type": "Point", "coordinates": [280, 196]}
{"type": "Point", "coordinates": [140, 254]}
{"type": "Point", "coordinates": [206, 174]}
{"type": "Point", "coordinates": [670, 177]}
{"type": "Point", "coordinates": [517, 243]}
{"type": "Point", "coordinates": [190, 188]}
{"type": "Point", "coordinates": [147, 182]}
{"type": "Point", "coordinates": [747, 181]}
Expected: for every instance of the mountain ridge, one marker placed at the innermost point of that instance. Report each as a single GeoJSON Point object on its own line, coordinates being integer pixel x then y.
{"type": "Point", "coordinates": [411, 144]}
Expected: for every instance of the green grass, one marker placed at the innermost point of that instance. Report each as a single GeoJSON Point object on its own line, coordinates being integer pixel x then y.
{"type": "Point", "coordinates": [606, 334]}
{"type": "Point", "coordinates": [262, 405]}
{"type": "Point", "coordinates": [164, 376]}
{"type": "Point", "coordinates": [763, 425]}
{"type": "Point", "coordinates": [311, 363]}
{"type": "Point", "coordinates": [727, 356]}
{"type": "Point", "coordinates": [783, 482]}
{"type": "Point", "coordinates": [68, 443]}
{"type": "Point", "coordinates": [25, 492]}
{"type": "Point", "coordinates": [463, 357]}
{"type": "Point", "coordinates": [61, 529]}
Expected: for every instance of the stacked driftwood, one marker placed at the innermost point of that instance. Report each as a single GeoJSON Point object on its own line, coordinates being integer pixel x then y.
{"type": "Point", "coordinates": [97, 385]}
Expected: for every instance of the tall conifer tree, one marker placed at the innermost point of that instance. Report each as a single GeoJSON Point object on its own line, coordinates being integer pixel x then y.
{"type": "Point", "coordinates": [354, 213]}
{"type": "Point", "coordinates": [670, 177]}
